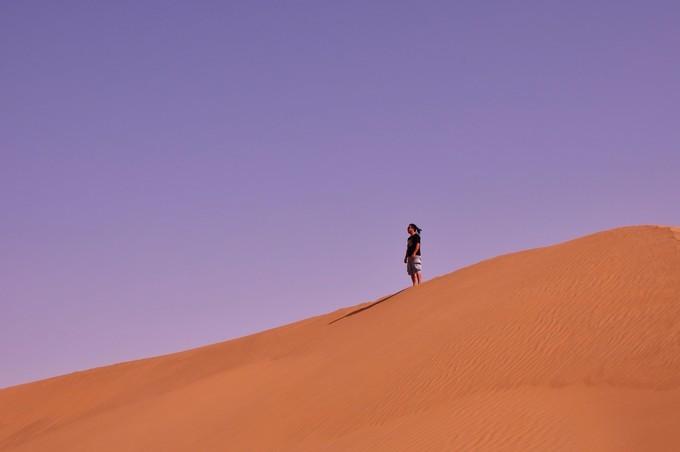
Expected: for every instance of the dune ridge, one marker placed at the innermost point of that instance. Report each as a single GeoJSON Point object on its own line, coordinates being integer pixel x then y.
{"type": "Point", "coordinates": [676, 232]}
{"type": "Point", "coordinates": [574, 346]}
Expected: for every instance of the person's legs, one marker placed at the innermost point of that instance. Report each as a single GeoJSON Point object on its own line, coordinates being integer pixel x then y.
{"type": "Point", "coordinates": [413, 269]}
{"type": "Point", "coordinates": [417, 269]}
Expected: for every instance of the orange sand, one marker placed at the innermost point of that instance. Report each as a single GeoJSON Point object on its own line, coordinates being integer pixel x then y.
{"type": "Point", "coordinates": [575, 346]}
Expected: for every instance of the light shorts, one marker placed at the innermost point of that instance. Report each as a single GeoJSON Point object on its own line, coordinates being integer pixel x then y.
{"type": "Point", "coordinates": [414, 264]}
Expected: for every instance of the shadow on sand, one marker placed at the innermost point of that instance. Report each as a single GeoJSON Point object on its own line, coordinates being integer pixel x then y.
{"type": "Point", "coordinates": [356, 311]}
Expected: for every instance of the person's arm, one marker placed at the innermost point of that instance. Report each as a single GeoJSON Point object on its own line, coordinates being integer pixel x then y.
{"type": "Point", "coordinates": [415, 251]}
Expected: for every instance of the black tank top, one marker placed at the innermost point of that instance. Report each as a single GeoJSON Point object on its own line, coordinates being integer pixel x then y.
{"type": "Point", "coordinates": [411, 244]}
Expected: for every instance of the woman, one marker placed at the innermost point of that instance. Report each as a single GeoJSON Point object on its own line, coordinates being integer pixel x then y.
{"type": "Point", "coordinates": [412, 259]}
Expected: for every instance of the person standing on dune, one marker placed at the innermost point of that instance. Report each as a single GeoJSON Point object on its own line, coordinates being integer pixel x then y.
{"type": "Point", "coordinates": [412, 259]}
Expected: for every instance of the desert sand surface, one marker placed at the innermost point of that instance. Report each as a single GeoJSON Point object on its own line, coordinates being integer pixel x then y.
{"type": "Point", "coordinates": [574, 346]}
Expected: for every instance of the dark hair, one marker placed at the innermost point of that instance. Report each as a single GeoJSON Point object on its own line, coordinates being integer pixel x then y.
{"type": "Point", "coordinates": [415, 227]}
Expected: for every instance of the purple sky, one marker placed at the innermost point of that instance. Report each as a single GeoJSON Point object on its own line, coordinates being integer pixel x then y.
{"type": "Point", "coordinates": [175, 174]}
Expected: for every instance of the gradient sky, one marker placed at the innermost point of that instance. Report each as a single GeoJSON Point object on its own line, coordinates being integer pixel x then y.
{"type": "Point", "coordinates": [174, 174]}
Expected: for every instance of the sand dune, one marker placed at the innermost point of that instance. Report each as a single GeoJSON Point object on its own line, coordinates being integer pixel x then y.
{"type": "Point", "coordinates": [575, 346]}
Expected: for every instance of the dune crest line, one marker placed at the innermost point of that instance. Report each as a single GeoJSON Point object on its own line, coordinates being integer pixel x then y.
{"type": "Point", "coordinates": [574, 346]}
